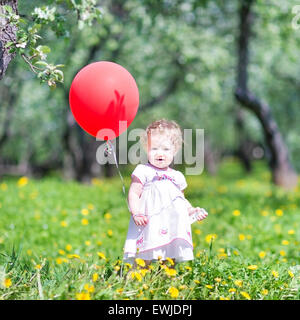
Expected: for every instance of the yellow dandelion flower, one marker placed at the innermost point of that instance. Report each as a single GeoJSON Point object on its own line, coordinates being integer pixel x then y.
{"type": "Point", "coordinates": [137, 276]}
{"type": "Point", "coordinates": [238, 283]}
{"type": "Point", "coordinates": [107, 216]}
{"type": "Point", "coordinates": [120, 290]}
{"type": "Point", "coordinates": [224, 298]}
{"type": "Point", "coordinates": [282, 253]}
{"type": "Point", "coordinates": [7, 282]}
{"type": "Point", "coordinates": [232, 290]}
{"type": "Point", "coordinates": [89, 288]}
{"type": "Point", "coordinates": [170, 272]}
{"type": "Point", "coordinates": [68, 247]}
{"type": "Point", "coordinates": [242, 237]}
{"type": "Point", "coordinates": [99, 243]}
{"type": "Point", "coordinates": [236, 253]}
{"type": "Point", "coordinates": [218, 279]}
{"type": "Point", "coordinates": [279, 212]}
{"type": "Point", "coordinates": [64, 223]}
{"type": "Point", "coordinates": [264, 213]}
{"type": "Point", "coordinates": [87, 243]}
{"type": "Point", "coordinates": [143, 272]}
{"type": "Point", "coordinates": [291, 274]}
{"type": "Point", "coordinates": [38, 267]}
{"type": "Point", "coordinates": [91, 206]}
{"type": "Point", "coordinates": [197, 281]}
{"type": "Point", "coordinates": [173, 292]}
{"type": "Point", "coordinates": [109, 232]}
{"type": "Point", "coordinates": [22, 181]}
{"type": "Point", "coordinates": [145, 287]}
{"type": "Point", "coordinates": [140, 262]}
{"type": "Point", "coordinates": [265, 292]}
{"type": "Point", "coordinates": [208, 286]}
{"type": "Point", "coordinates": [84, 212]}
{"type": "Point", "coordinates": [96, 182]}
{"type": "Point", "coordinates": [3, 186]}
{"type": "Point", "coordinates": [285, 242]}
{"type": "Point", "coordinates": [292, 231]}
{"type": "Point", "coordinates": [84, 222]}
{"type": "Point", "coordinates": [236, 213]}
{"type": "Point", "coordinates": [210, 237]}
{"type": "Point", "coordinates": [83, 296]}
{"type": "Point", "coordinates": [117, 268]}
{"type": "Point", "coordinates": [170, 260]}
{"type": "Point", "coordinates": [188, 268]}
{"type": "Point", "coordinates": [59, 260]}
{"type": "Point", "coordinates": [101, 255]}
{"type": "Point", "coordinates": [198, 231]}
{"type": "Point", "coordinates": [252, 267]}
{"type": "Point", "coordinates": [222, 255]}
{"type": "Point", "coordinates": [245, 295]}
{"type": "Point", "coordinates": [275, 274]}
{"type": "Point", "coordinates": [128, 265]}
{"type": "Point", "coordinates": [73, 256]}
{"type": "Point", "coordinates": [262, 254]}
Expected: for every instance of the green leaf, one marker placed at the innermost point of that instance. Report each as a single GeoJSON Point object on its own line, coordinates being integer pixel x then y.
{"type": "Point", "coordinates": [44, 49]}
{"type": "Point", "coordinates": [42, 63]}
{"type": "Point", "coordinates": [8, 9]}
{"type": "Point", "coordinates": [8, 44]}
{"type": "Point", "coordinates": [59, 76]}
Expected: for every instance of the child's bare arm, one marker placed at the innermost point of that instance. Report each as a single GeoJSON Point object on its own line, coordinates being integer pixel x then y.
{"type": "Point", "coordinates": [134, 194]}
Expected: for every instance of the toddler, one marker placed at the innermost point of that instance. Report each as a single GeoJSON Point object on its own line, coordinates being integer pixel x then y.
{"type": "Point", "coordinates": [159, 226]}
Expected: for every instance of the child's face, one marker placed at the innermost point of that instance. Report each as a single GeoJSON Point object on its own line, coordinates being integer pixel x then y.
{"type": "Point", "coordinates": [160, 151]}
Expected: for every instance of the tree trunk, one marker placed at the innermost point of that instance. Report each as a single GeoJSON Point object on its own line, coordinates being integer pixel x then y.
{"type": "Point", "coordinates": [7, 33]}
{"type": "Point", "coordinates": [282, 172]}
{"type": "Point", "coordinates": [244, 147]}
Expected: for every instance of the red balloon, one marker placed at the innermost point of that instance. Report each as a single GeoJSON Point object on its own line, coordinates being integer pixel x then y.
{"type": "Point", "coordinates": [102, 94]}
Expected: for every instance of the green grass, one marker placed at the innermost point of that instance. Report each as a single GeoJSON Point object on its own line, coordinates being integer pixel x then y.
{"type": "Point", "coordinates": [47, 250]}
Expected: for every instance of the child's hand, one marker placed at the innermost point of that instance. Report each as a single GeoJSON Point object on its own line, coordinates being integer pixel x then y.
{"type": "Point", "coordinates": [140, 219]}
{"type": "Point", "coordinates": [202, 213]}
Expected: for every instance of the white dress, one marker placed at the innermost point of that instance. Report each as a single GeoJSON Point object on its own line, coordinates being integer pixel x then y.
{"type": "Point", "coordinates": [168, 231]}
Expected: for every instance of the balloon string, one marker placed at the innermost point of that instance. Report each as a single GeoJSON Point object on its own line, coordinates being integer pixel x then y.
{"type": "Point", "coordinates": [110, 149]}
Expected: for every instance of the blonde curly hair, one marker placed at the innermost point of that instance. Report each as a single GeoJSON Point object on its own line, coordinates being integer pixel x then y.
{"type": "Point", "coordinates": [169, 128]}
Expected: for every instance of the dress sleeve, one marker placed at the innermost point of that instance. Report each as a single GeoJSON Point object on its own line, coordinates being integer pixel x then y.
{"type": "Point", "coordinates": [181, 181]}
{"type": "Point", "coordinates": [140, 173]}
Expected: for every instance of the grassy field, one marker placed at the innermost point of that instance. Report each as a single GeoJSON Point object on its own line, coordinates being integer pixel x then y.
{"type": "Point", "coordinates": [64, 240]}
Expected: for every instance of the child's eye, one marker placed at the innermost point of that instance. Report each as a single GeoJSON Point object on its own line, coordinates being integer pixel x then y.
{"type": "Point", "coordinates": [153, 148]}
{"type": "Point", "coordinates": [166, 149]}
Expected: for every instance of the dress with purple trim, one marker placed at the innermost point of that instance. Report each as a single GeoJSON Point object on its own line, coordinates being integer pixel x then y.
{"type": "Point", "coordinates": [168, 231]}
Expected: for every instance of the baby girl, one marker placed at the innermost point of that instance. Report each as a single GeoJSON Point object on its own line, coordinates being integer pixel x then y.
{"type": "Point", "coordinates": [160, 225]}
